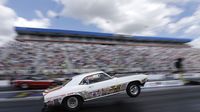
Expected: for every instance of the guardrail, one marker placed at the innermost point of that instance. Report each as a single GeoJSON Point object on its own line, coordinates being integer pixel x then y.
{"type": "Point", "coordinates": [4, 83]}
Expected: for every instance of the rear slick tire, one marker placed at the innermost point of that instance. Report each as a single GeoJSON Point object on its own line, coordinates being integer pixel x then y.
{"type": "Point", "coordinates": [72, 103]}
{"type": "Point", "coordinates": [133, 89]}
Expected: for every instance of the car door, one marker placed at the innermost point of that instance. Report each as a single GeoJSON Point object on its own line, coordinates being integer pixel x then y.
{"type": "Point", "coordinates": [99, 85]}
{"type": "Point", "coordinates": [39, 82]}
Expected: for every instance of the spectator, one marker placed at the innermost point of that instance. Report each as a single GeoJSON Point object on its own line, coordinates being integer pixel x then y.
{"type": "Point", "coordinates": [49, 56]}
{"type": "Point", "coordinates": [179, 64]}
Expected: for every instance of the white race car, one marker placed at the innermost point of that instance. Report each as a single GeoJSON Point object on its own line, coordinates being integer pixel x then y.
{"type": "Point", "coordinates": [89, 86]}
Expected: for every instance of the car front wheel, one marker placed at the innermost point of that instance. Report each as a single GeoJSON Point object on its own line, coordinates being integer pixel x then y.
{"type": "Point", "coordinates": [72, 103]}
{"type": "Point", "coordinates": [133, 90]}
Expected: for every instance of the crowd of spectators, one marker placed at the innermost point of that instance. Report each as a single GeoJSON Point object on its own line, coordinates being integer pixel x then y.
{"type": "Point", "coordinates": [31, 56]}
{"type": "Point", "coordinates": [144, 57]}
{"type": "Point", "coordinates": [37, 56]}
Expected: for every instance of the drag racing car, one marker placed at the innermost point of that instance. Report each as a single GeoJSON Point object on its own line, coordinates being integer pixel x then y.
{"type": "Point", "coordinates": [34, 82]}
{"type": "Point", "coordinates": [90, 86]}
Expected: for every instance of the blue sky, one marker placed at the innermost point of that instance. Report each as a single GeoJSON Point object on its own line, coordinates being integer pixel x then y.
{"type": "Point", "coordinates": [27, 8]}
{"type": "Point", "coordinates": [167, 18]}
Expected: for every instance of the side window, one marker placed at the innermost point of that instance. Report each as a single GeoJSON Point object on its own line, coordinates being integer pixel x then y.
{"type": "Point", "coordinates": [95, 78]}
{"type": "Point", "coordinates": [85, 81]}
{"type": "Point", "coordinates": [104, 77]}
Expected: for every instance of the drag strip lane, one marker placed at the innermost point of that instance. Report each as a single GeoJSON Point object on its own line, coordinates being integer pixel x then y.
{"type": "Point", "coordinates": [185, 99]}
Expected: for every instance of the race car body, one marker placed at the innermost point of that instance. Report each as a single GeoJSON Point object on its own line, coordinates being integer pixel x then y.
{"type": "Point", "coordinates": [91, 86]}
{"type": "Point", "coordinates": [33, 83]}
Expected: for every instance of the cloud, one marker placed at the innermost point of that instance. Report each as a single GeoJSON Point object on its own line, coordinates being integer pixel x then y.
{"type": "Point", "coordinates": [193, 30]}
{"type": "Point", "coordinates": [41, 22]}
{"type": "Point", "coordinates": [176, 1]}
{"type": "Point", "coordinates": [39, 14]}
{"type": "Point", "coordinates": [195, 43]}
{"type": "Point", "coordinates": [9, 20]}
{"type": "Point", "coordinates": [188, 25]}
{"type": "Point", "coordinates": [52, 14]}
{"type": "Point", "coordinates": [2, 2]}
{"type": "Point", "coordinates": [34, 23]}
{"type": "Point", "coordinates": [57, 1]}
{"type": "Point", "coordinates": [7, 17]}
{"type": "Point", "coordinates": [146, 17]}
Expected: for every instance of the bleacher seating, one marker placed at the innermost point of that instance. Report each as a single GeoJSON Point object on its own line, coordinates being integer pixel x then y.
{"type": "Point", "coordinates": [58, 56]}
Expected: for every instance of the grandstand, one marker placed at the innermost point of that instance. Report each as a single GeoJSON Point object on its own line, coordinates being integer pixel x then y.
{"type": "Point", "coordinates": [37, 51]}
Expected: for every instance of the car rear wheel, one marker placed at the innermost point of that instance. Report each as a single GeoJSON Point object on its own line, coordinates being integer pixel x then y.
{"type": "Point", "coordinates": [133, 90]}
{"type": "Point", "coordinates": [72, 103]}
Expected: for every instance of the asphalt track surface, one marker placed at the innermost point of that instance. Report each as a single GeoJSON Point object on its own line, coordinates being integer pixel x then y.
{"type": "Point", "coordinates": [186, 99]}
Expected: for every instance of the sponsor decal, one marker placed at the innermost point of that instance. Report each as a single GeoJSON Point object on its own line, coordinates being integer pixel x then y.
{"type": "Point", "coordinates": [104, 91]}
{"type": "Point", "coordinates": [114, 89]}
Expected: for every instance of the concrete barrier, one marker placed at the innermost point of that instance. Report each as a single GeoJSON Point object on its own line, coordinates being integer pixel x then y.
{"type": "Point", "coordinates": [164, 83]}
{"type": "Point", "coordinates": [4, 83]}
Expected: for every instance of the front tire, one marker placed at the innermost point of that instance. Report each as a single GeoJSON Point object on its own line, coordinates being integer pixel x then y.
{"type": "Point", "coordinates": [72, 103]}
{"type": "Point", "coordinates": [133, 89]}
